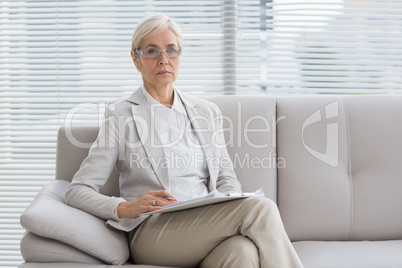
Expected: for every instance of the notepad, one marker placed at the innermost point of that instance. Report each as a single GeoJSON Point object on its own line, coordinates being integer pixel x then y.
{"type": "Point", "coordinates": [212, 198]}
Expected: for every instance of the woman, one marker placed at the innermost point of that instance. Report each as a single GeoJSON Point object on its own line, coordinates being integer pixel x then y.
{"type": "Point", "coordinates": [153, 137]}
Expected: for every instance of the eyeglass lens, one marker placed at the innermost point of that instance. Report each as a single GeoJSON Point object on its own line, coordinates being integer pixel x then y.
{"type": "Point", "coordinates": [155, 53]}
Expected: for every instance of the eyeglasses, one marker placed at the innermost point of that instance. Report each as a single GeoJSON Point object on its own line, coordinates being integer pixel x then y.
{"type": "Point", "coordinates": [151, 53]}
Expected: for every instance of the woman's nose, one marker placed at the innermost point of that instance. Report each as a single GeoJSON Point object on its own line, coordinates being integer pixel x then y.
{"type": "Point", "coordinates": [163, 59]}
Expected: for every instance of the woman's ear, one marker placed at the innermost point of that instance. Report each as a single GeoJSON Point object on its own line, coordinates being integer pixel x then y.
{"type": "Point", "coordinates": [135, 60]}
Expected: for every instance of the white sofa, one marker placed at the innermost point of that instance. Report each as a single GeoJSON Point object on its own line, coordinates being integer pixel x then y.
{"type": "Point", "coordinates": [333, 164]}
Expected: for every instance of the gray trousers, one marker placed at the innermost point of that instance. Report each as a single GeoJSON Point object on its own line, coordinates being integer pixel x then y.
{"type": "Point", "coordinates": [241, 233]}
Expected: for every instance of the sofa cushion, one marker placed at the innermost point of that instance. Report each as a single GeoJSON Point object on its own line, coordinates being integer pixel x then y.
{"type": "Point", "coordinates": [343, 174]}
{"type": "Point", "coordinates": [249, 126]}
{"type": "Point", "coordinates": [350, 254]}
{"type": "Point", "coordinates": [73, 144]}
{"type": "Point", "coordinates": [375, 166]}
{"type": "Point", "coordinates": [35, 248]}
{"type": "Point", "coordinates": [314, 186]}
{"type": "Point", "coordinates": [50, 217]}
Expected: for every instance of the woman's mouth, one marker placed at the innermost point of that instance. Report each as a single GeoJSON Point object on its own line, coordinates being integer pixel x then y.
{"type": "Point", "coordinates": [164, 72]}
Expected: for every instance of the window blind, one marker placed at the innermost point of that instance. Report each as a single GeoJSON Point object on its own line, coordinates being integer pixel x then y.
{"type": "Point", "coordinates": [334, 46]}
{"type": "Point", "coordinates": [64, 60]}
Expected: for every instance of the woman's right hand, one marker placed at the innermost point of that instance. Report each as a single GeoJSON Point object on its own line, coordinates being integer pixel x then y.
{"type": "Point", "coordinates": [153, 200]}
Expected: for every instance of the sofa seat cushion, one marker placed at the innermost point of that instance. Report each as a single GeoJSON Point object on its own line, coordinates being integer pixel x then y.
{"type": "Point", "coordinates": [350, 254]}
{"type": "Point", "coordinates": [35, 248]}
{"type": "Point", "coordinates": [48, 216]}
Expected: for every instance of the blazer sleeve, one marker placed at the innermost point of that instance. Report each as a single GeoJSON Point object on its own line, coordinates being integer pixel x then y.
{"type": "Point", "coordinates": [83, 192]}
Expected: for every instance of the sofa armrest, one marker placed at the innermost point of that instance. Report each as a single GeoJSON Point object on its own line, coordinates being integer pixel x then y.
{"type": "Point", "coordinates": [35, 248]}
{"type": "Point", "coordinates": [48, 216]}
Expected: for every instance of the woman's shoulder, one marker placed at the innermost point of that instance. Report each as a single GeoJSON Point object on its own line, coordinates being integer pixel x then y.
{"type": "Point", "coordinates": [117, 103]}
{"type": "Point", "coordinates": [120, 101]}
{"type": "Point", "coordinates": [123, 104]}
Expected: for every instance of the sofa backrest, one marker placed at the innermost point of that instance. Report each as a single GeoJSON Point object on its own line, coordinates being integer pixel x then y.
{"type": "Point", "coordinates": [249, 128]}
{"type": "Point", "coordinates": [343, 173]}
{"type": "Point", "coordinates": [73, 143]}
{"type": "Point", "coordinates": [337, 160]}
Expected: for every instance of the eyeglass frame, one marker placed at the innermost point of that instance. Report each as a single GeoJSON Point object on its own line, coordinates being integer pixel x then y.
{"type": "Point", "coordinates": [140, 52]}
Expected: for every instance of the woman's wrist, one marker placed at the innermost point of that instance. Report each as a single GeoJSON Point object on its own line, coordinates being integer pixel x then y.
{"type": "Point", "coordinates": [122, 210]}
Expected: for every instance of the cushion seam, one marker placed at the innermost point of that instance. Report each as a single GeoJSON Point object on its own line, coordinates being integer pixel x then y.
{"type": "Point", "coordinates": [349, 167]}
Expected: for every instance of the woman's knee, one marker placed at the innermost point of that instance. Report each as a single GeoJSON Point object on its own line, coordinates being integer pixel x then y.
{"type": "Point", "coordinates": [243, 248]}
{"type": "Point", "coordinates": [261, 204]}
{"type": "Point", "coordinates": [236, 251]}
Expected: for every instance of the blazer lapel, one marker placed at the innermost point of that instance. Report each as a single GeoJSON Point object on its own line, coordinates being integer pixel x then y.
{"type": "Point", "coordinates": [202, 124]}
{"type": "Point", "coordinates": [145, 127]}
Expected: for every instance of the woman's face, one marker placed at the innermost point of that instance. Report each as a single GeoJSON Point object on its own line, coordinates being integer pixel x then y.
{"type": "Point", "coordinates": [159, 73]}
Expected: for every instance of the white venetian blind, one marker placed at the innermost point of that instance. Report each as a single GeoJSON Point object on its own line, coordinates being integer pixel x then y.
{"type": "Point", "coordinates": [333, 46]}
{"type": "Point", "coordinates": [64, 60]}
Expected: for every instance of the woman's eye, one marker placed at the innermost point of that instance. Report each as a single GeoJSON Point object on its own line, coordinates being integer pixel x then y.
{"type": "Point", "coordinates": [152, 51]}
{"type": "Point", "coordinates": [171, 50]}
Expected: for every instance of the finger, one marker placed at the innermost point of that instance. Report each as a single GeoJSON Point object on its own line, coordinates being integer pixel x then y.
{"type": "Point", "coordinates": [166, 195]}
{"type": "Point", "coordinates": [152, 208]}
{"type": "Point", "coordinates": [157, 202]}
{"type": "Point", "coordinates": [162, 194]}
{"type": "Point", "coordinates": [163, 202]}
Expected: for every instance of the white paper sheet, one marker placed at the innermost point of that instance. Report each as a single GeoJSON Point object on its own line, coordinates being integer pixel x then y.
{"type": "Point", "coordinates": [212, 198]}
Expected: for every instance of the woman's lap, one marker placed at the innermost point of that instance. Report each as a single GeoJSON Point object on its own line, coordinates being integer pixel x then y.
{"type": "Point", "coordinates": [186, 237]}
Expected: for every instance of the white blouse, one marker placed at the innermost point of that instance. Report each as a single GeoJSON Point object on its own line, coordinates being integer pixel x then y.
{"type": "Point", "coordinates": [187, 167]}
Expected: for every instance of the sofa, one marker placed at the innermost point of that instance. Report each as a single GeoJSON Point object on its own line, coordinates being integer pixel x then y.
{"type": "Point", "coordinates": [333, 164]}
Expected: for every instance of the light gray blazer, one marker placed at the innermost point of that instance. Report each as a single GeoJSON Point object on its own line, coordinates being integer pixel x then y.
{"type": "Point", "coordinates": [127, 138]}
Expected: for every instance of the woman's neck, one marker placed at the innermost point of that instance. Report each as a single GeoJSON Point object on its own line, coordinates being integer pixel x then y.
{"type": "Point", "coordinates": [163, 95]}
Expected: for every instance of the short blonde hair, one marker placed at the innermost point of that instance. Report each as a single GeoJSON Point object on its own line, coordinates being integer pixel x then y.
{"type": "Point", "coordinates": [154, 24]}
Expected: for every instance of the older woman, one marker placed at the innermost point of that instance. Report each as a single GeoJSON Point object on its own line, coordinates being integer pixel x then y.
{"type": "Point", "coordinates": [152, 137]}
